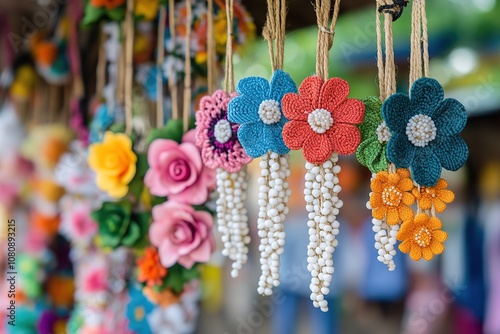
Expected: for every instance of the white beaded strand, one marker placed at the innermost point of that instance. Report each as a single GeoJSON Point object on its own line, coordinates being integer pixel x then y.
{"type": "Point", "coordinates": [274, 193]}
{"type": "Point", "coordinates": [232, 217]}
{"type": "Point", "coordinates": [322, 203]}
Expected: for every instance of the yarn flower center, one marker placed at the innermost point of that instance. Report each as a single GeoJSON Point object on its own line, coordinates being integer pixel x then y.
{"type": "Point", "coordinates": [421, 130]}
{"type": "Point", "coordinates": [223, 131]}
{"type": "Point", "coordinates": [269, 111]}
{"type": "Point", "coordinates": [320, 120]}
{"type": "Point", "coordinates": [423, 237]}
{"type": "Point", "coordinates": [383, 133]}
{"type": "Point", "coordinates": [391, 196]}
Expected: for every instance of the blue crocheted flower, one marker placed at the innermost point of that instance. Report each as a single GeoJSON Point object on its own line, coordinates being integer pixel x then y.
{"type": "Point", "coordinates": [258, 109]}
{"type": "Point", "coordinates": [425, 131]}
{"type": "Point", "coordinates": [137, 310]}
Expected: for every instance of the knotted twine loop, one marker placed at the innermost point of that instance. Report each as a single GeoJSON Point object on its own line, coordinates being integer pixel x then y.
{"type": "Point", "coordinates": [129, 46]}
{"type": "Point", "coordinates": [386, 70]}
{"type": "Point", "coordinates": [187, 67]}
{"type": "Point", "coordinates": [172, 84]}
{"type": "Point", "coordinates": [274, 32]}
{"type": "Point", "coordinates": [419, 54]}
{"type": "Point", "coordinates": [159, 62]}
{"type": "Point", "coordinates": [325, 34]}
{"type": "Point", "coordinates": [229, 74]}
{"type": "Point", "coordinates": [211, 53]}
{"type": "Point", "coordinates": [394, 8]}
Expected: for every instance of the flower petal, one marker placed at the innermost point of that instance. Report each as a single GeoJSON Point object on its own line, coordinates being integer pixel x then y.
{"type": "Point", "coordinates": [396, 112]}
{"type": "Point", "coordinates": [256, 88]}
{"type": "Point", "coordinates": [436, 246]}
{"type": "Point", "coordinates": [379, 212]}
{"type": "Point", "coordinates": [426, 94]}
{"type": "Point", "coordinates": [400, 151]}
{"type": "Point", "coordinates": [425, 203]}
{"type": "Point", "coordinates": [295, 133]}
{"type": "Point", "coordinates": [333, 93]}
{"type": "Point", "coordinates": [281, 84]}
{"type": "Point", "coordinates": [351, 111]}
{"type": "Point", "coordinates": [250, 136]}
{"type": "Point", "coordinates": [427, 253]}
{"type": "Point", "coordinates": [405, 246]}
{"type": "Point", "coordinates": [415, 252]}
{"type": "Point", "coordinates": [376, 201]}
{"type": "Point", "coordinates": [317, 148]}
{"type": "Point", "coordinates": [392, 216]}
{"type": "Point", "coordinates": [243, 109]}
{"type": "Point", "coordinates": [439, 205]}
{"type": "Point", "coordinates": [451, 151]}
{"type": "Point", "coordinates": [445, 195]}
{"type": "Point", "coordinates": [405, 184]}
{"type": "Point", "coordinates": [310, 90]}
{"type": "Point", "coordinates": [434, 223]}
{"type": "Point", "coordinates": [296, 107]}
{"type": "Point", "coordinates": [426, 167]}
{"type": "Point", "coordinates": [439, 235]}
{"type": "Point", "coordinates": [405, 213]}
{"type": "Point", "coordinates": [450, 117]}
{"type": "Point", "coordinates": [368, 150]}
{"type": "Point", "coordinates": [377, 185]}
{"type": "Point", "coordinates": [441, 184]}
{"type": "Point", "coordinates": [272, 135]}
{"type": "Point", "coordinates": [345, 138]}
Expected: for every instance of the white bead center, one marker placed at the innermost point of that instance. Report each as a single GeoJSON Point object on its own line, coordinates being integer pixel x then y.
{"type": "Point", "coordinates": [223, 131]}
{"type": "Point", "coordinates": [269, 111]}
{"type": "Point", "coordinates": [421, 130]}
{"type": "Point", "coordinates": [320, 120]}
{"type": "Point", "coordinates": [383, 133]}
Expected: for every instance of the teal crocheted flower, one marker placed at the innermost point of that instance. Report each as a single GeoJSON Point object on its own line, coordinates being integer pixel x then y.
{"type": "Point", "coordinates": [258, 109]}
{"type": "Point", "coordinates": [374, 137]}
{"type": "Point", "coordinates": [425, 131]}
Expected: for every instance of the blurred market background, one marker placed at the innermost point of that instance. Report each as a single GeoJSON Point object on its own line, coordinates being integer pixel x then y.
{"type": "Point", "coordinates": [457, 292]}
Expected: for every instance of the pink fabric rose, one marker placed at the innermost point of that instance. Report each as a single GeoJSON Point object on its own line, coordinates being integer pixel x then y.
{"type": "Point", "coordinates": [177, 171]}
{"type": "Point", "coordinates": [181, 234]}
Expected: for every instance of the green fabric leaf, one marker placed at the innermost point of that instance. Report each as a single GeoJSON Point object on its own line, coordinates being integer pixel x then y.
{"type": "Point", "coordinates": [368, 151]}
{"type": "Point", "coordinates": [92, 14]}
{"type": "Point", "coordinates": [136, 186]}
{"type": "Point", "coordinates": [172, 130]}
{"type": "Point", "coordinates": [116, 14]}
{"type": "Point", "coordinates": [178, 276]}
{"type": "Point", "coordinates": [380, 162]}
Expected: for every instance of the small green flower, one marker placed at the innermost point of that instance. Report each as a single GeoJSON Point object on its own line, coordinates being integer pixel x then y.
{"type": "Point", "coordinates": [119, 226]}
{"type": "Point", "coordinates": [374, 137]}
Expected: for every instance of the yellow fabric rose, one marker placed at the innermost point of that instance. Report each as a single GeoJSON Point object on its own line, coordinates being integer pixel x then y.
{"type": "Point", "coordinates": [146, 8]}
{"type": "Point", "coordinates": [114, 163]}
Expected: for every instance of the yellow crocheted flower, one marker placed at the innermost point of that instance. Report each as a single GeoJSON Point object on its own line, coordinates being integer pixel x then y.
{"type": "Point", "coordinates": [114, 163]}
{"type": "Point", "coordinates": [436, 196]}
{"type": "Point", "coordinates": [422, 237]}
{"type": "Point", "coordinates": [391, 196]}
{"type": "Point", "coordinates": [146, 8]}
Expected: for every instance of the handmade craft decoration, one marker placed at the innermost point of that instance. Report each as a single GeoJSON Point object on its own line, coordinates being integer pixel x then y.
{"type": "Point", "coordinates": [323, 124]}
{"type": "Point", "coordinates": [221, 149]}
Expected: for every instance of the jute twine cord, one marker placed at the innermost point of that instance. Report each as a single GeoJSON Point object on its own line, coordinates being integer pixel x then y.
{"type": "Point", "coordinates": [419, 54]}
{"type": "Point", "coordinates": [325, 34]}
{"type": "Point", "coordinates": [172, 84]}
{"type": "Point", "coordinates": [229, 77]}
{"type": "Point", "coordinates": [211, 54]}
{"type": "Point", "coordinates": [159, 62]}
{"type": "Point", "coordinates": [274, 32]}
{"type": "Point", "coordinates": [129, 45]}
{"type": "Point", "coordinates": [101, 64]}
{"type": "Point", "coordinates": [386, 69]}
{"type": "Point", "coordinates": [187, 67]}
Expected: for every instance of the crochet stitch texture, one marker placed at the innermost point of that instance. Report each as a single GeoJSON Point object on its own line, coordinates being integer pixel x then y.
{"type": "Point", "coordinates": [261, 118]}
{"type": "Point", "coordinates": [434, 123]}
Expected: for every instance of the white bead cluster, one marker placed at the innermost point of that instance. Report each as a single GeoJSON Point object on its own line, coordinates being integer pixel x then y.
{"type": "Point", "coordinates": [232, 219]}
{"type": "Point", "coordinates": [383, 133]}
{"type": "Point", "coordinates": [320, 120]}
{"type": "Point", "coordinates": [322, 203]}
{"type": "Point", "coordinates": [223, 131]}
{"type": "Point", "coordinates": [421, 130]}
{"type": "Point", "coordinates": [269, 111]}
{"type": "Point", "coordinates": [274, 193]}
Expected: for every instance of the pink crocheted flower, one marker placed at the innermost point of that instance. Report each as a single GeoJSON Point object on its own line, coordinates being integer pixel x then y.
{"type": "Point", "coordinates": [181, 234]}
{"type": "Point", "coordinates": [217, 136]}
{"type": "Point", "coordinates": [77, 224]}
{"type": "Point", "coordinates": [177, 171]}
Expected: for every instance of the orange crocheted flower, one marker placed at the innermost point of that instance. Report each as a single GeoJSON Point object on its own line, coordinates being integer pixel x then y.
{"type": "Point", "coordinates": [45, 224]}
{"type": "Point", "coordinates": [163, 298]}
{"type": "Point", "coordinates": [45, 52]}
{"type": "Point", "coordinates": [109, 4]}
{"type": "Point", "coordinates": [436, 196]}
{"type": "Point", "coordinates": [391, 196]}
{"type": "Point", "coordinates": [151, 270]}
{"type": "Point", "coordinates": [322, 119]}
{"type": "Point", "coordinates": [422, 237]}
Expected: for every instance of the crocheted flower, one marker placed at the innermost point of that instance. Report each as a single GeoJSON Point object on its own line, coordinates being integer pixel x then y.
{"type": "Point", "coordinates": [425, 131]}
{"type": "Point", "coordinates": [113, 161]}
{"type": "Point", "coordinates": [436, 196]}
{"type": "Point", "coordinates": [217, 136]}
{"type": "Point", "coordinates": [146, 8]}
{"type": "Point", "coordinates": [258, 110]}
{"type": "Point", "coordinates": [46, 224]}
{"type": "Point", "coordinates": [322, 119]}
{"type": "Point", "coordinates": [181, 234]}
{"type": "Point", "coordinates": [77, 225]}
{"type": "Point", "coordinates": [374, 137]}
{"type": "Point", "coordinates": [163, 298]}
{"type": "Point", "coordinates": [422, 237]}
{"type": "Point", "coordinates": [151, 270]}
{"type": "Point", "coordinates": [108, 4]}
{"type": "Point", "coordinates": [137, 310]}
{"type": "Point", "coordinates": [391, 196]}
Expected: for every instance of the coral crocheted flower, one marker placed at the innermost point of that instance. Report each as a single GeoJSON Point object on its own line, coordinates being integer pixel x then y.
{"type": "Point", "coordinates": [322, 119]}
{"type": "Point", "coordinates": [217, 136]}
{"type": "Point", "coordinates": [108, 4]}
{"type": "Point", "coordinates": [258, 110]}
{"type": "Point", "coordinates": [391, 196]}
{"type": "Point", "coordinates": [151, 270]}
{"type": "Point", "coordinates": [113, 161]}
{"type": "Point", "coordinates": [425, 131]}
{"type": "Point", "coordinates": [374, 137]}
{"type": "Point", "coordinates": [437, 196]}
{"type": "Point", "coordinates": [422, 237]}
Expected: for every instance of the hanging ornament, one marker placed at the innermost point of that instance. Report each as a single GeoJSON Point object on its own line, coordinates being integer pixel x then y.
{"type": "Point", "coordinates": [323, 123]}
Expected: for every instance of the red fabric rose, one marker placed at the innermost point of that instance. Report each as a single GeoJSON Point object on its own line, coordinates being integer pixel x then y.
{"type": "Point", "coordinates": [322, 119]}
